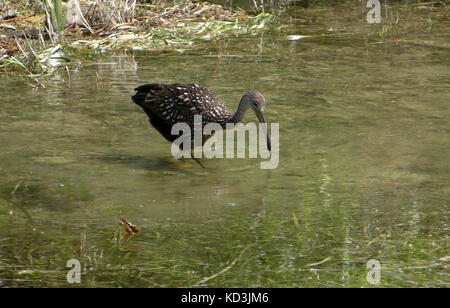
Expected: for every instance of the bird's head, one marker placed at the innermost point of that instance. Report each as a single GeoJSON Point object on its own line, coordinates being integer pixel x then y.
{"type": "Point", "coordinates": [257, 103]}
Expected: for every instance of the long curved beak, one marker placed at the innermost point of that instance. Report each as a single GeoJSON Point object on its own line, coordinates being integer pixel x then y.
{"type": "Point", "coordinates": [260, 116]}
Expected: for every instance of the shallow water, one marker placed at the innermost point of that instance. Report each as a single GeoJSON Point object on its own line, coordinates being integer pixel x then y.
{"type": "Point", "coordinates": [363, 172]}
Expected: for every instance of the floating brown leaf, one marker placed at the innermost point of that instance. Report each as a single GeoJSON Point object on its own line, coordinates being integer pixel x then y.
{"type": "Point", "coordinates": [128, 227]}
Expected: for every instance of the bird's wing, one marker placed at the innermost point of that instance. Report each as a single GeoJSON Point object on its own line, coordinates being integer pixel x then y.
{"type": "Point", "coordinates": [180, 102]}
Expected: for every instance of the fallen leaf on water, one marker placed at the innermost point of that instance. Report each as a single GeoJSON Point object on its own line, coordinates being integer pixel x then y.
{"type": "Point", "coordinates": [128, 227]}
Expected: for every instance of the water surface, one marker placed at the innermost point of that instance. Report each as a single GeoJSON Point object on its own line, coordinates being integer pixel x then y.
{"type": "Point", "coordinates": [363, 172]}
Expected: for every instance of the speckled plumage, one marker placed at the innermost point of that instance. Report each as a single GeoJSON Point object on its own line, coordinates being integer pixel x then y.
{"type": "Point", "coordinates": [168, 104]}
{"type": "Point", "coordinates": [180, 102]}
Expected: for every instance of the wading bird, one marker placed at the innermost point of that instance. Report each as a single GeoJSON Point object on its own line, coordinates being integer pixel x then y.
{"type": "Point", "coordinates": [168, 104]}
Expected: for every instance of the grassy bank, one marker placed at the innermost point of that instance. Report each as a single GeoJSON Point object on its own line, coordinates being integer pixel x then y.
{"type": "Point", "coordinates": [36, 38]}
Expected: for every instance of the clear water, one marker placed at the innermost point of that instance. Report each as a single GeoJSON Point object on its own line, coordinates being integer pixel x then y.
{"type": "Point", "coordinates": [363, 172]}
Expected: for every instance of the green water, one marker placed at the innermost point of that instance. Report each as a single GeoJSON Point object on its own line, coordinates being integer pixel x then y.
{"type": "Point", "coordinates": [363, 171]}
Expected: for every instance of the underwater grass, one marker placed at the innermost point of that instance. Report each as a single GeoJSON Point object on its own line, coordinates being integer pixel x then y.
{"type": "Point", "coordinates": [276, 252]}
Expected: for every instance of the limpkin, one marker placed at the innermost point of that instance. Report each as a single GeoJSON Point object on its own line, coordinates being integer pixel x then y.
{"type": "Point", "coordinates": [168, 104]}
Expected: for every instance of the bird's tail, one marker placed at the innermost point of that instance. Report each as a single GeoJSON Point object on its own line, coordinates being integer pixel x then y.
{"type": "Point", "coordinates": [139, 98]}
{"type": "Point", "coordinates": [144, 93]}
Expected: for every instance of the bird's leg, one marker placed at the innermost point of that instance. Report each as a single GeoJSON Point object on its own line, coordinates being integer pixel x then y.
{"type": "Point", "coordinates": [198, 161]}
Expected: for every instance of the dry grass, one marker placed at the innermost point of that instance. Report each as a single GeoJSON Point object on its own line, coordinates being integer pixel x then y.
{"type": "Point", "coordinates": [104, 12]}
{"type": "Point", "coordinates": [30, 42]}
{"type": "Point", "coordinates": [118, 24]}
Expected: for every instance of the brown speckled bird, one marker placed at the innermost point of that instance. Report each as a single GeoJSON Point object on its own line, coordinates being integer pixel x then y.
{"type": "Point", "coordinates": [168, 104]}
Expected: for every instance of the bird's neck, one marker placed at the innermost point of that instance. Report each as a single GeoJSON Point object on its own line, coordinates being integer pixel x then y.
{"type": "Point", "coordinates": [239, 115]}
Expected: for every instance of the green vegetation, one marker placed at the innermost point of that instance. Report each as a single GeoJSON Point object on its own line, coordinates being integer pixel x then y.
{"type": "Point", "coordinates": [55, 14]}
{"type": "Point", "coordinates": [37, 38]}
{"type": "Point", "coordinates": [363, 172]}
{"type": "Point", "coordinates": [277, 252]}
{"type": "Point", "coordinates": [38, 42]}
